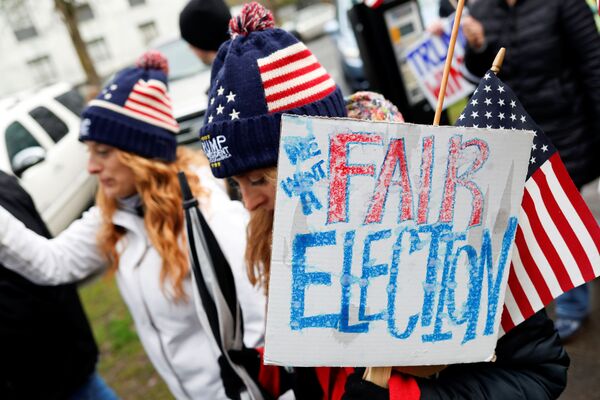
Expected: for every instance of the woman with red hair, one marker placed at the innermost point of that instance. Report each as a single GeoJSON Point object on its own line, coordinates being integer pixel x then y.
{"type": "Point", "coordinates": [136, 230]}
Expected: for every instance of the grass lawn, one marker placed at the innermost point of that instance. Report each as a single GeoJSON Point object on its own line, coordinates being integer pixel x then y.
{"type": "Point", "coordinates": [455, 109]}
{"type": "Point", "coordinates": [123, 362]}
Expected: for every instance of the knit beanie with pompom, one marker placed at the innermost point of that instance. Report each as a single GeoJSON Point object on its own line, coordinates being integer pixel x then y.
{"type": "Point", "coordinates": [259, 74]}
{"type": "Point", "coordinates": [133, 112]}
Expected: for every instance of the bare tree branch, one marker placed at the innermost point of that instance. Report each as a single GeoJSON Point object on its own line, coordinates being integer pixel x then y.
{"type": "Point", "coordinates": [68, 11]}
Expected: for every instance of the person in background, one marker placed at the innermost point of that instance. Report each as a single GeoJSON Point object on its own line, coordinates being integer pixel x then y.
{"type": "Point", "coordinates": [266, 69]}
{"type": "Point", "coordinates": [553, 65]}
{"type": "Point", "coordinates": [137, 230]}
{"type": "Point", "coordinates": [47, 350]}
{"type": "Point", "coordinates": [204, 25]}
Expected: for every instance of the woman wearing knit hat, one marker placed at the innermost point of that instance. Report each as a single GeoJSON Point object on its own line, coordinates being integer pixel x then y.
{"type": "Point", "coordinates": [136, 230]}
{"type": "Point", "coordinates": [259, 74]}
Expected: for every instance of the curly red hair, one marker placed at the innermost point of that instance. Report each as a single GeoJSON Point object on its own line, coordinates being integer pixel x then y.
{"type": "Point", "coordinates": [156, 183]}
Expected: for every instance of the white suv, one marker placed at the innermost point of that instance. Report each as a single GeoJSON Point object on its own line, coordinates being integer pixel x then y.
{"type": "Point", "coordinates": [39, 143]}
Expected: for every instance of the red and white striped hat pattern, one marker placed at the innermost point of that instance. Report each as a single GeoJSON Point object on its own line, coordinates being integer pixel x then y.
{"type": "Point", "coordinates": [148, 101]}
{"type": "Point", "coordinates": [292, 77]}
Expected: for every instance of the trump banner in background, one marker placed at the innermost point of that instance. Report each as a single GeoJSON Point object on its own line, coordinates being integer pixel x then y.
{"type": "Point", "coordinates": [392, 242]}
{"type": "Point", "coordinates": [426, 60]}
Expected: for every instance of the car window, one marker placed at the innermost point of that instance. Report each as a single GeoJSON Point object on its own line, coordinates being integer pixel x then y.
{"type": "Point", "coordinates": [55, 127]}
{"type": "Point", "coordinates": [18, 138]}
{"type": "Point", "coordinates": [73, 101]}
{"type": "Point", "coordinates": [182, 61]}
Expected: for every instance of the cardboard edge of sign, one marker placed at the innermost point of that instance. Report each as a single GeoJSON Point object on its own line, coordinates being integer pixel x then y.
{"type": "Point", "coordinates": [268, 360]}
{"type": "Point", "coordinates": [292, 117]}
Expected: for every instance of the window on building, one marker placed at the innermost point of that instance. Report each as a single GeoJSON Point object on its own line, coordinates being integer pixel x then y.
{"type": "Point", "coordinates": [84, 12]}
{"type": "Point", "coordinates": [54, 126]}
{"type": "Point", "coordinates": [19, 19]}
{"type": "Point", "coordinates": [134, 3]}
{"type": "Point", "coordinates": [98, 50]}
{"type": "Point", "coordinates": [149, 31]}
{"type": "Point", "coordinates": [42, 69]}
{"type": "Point", "coordinates": [18, 139]}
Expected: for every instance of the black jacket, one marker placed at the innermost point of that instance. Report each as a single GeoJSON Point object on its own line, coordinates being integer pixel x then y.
{"type": "Point", "coordinates": [553, 65]}
{"type": "Point", "coordinates": [46, 346]}
{"type": "Point", "coordinates": [531, 364]}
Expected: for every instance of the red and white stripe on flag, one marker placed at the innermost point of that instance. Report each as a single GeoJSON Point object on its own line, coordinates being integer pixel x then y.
{"type": "Point", "coordinates": [557, 246]}
{"type": "Point", "coordinates": [149, 102]}
{"type": "Point", "coordinates": [292, 77]}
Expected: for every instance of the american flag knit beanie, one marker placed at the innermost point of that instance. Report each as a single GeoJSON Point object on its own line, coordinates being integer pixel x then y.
{"type": "Point", "coordinates": [133, 112]}
{"type": "Point", "coordinates": [260, 73]}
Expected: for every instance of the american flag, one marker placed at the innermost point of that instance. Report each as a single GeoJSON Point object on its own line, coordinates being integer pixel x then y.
{"type": "Point", "coordinates": [148, 101]}
{"type": "Point", "coordinates": [293, 77]}
{"type": "Point", "coordinates": [557, 245]}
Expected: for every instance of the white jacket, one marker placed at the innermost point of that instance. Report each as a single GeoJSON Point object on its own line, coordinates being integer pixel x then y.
{"type": "Point", "coordinates": [170, 331]}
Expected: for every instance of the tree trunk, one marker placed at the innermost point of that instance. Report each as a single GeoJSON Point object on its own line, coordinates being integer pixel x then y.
{"type": "Point", "coordinates": [68, 11]}
{"type": "Point", "coordinates": [272, 5]}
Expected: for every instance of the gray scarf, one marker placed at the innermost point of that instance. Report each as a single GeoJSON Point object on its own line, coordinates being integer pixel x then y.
{"type": "Point", "coordinates": [132, 204]}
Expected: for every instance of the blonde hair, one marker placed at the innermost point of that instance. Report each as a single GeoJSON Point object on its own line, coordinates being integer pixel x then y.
{"type": "Point", "coordinates": [158, 187]}
{"type": "Point", "coordinates": [260, 238]}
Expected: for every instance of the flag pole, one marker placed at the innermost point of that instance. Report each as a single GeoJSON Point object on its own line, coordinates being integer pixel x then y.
{"type": "Point", "coordinates": [449, 56]}
{"type": "Point", "coordinates": [378, 375]}
{"type": "Point", "coordinates": [381, 375]}
{"type": "Point", "coordinates": [497, 64]}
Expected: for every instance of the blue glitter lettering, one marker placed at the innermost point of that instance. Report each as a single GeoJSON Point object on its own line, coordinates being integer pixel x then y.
{"type": "Point", "coordinates": [371, 271]}
{"type": "Point", "coordinates": [302, 279]}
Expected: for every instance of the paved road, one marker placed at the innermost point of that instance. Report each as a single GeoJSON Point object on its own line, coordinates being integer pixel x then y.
{"type": "Point", "coordinates": [584, 374]}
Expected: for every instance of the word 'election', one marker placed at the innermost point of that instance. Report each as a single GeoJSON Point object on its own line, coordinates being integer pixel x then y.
{"type": "Point", "coordinates": [443, 249]}
{"type": "Point", "coordinates": [439, 245]}
{"type": "Point", "coordinates": [392, 171]}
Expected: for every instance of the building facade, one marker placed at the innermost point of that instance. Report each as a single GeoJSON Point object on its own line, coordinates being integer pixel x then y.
{"type": "Point", "coordinates": [37, 49]}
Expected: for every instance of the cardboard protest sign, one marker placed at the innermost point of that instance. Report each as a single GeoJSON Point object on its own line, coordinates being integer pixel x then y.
{"type": "Point", "coordinates": [391, 242]}
{"type": "Point", "coordinates": [426, 60]}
